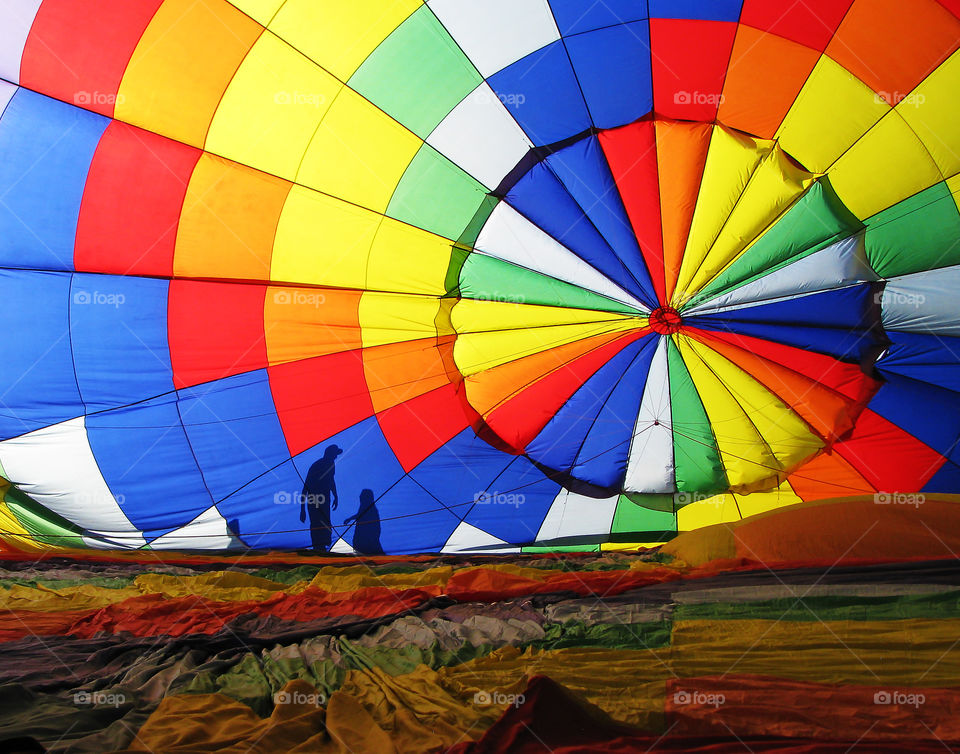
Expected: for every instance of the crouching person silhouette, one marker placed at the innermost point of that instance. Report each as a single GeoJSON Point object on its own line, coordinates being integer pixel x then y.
{"type": "Point", "coordinates": [319, 496]}
{"type": "Point", "coordinates": [366, 537]}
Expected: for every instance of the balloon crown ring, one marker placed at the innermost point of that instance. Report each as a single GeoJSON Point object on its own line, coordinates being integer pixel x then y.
{"type": "Point", "coordinates": [665, 320]}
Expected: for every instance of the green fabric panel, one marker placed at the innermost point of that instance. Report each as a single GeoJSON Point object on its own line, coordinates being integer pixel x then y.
{"type": "Point", "coordinates": [469, 236]}
{"type": "Point", "coordinates": [652, 635]}
{"type": "Point", "coordinates": [815, 221]}
{"type": "Point", "coordinates": [651, 501]}
{"type": "Point", "coordinates": [418, 74]}
{"type": "Point", "coordinates": [897, 607]}
{"type": "Point", "coordinates": [917, 234]}
{"type": "Point", "coordinates": [436, 195]}
{"type": "Point", "coordinates": [696, 457]}
{"type": "Point", "coordinates": [486, 278]}
{"type": "Point", "coordinates": [567, 548]}
{"type": "Point", "coordinates": [45, 525]}
{"type": "Point", "coordinates": [633, 517]}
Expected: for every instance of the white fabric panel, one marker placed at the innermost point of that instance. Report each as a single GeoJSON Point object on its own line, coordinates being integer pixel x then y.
{"type": "Point", "coordinates": [55, 466]}
{"type": "Point", "coordinates": [208, 531]}
{"type": "Point", "coordinates": [510, 236]}
{"type": "Point", "coordinates": [650, 465]}
{"type": "Point", "coordinates": [343, 547]}
{"type": "Point", "coordinates": [573, 515]}
{"type": "Point", "coordinates": [16, 18]}
{"type": "Point", "coordinates": [7, 91]}
{"type": "Point", "coordinates": [481, 137]}
{"type": "Point", "coordinates": [841, 264]}
{"type": "Point", "coordinates": [924, 302]}
{"type": "Point", "coordinates": [467, 537]}
{"type": "Point", "coordinates": [495, 33]}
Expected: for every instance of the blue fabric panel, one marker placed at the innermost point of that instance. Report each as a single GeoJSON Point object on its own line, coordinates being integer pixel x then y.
{"type": "Point", "coordinates": [557, 444]}
{"type": "Point", "coordinates": [38, 386]}
{"type": "Point", "coordinates": [118, 327]}
{"type": "Point", "coordinates": [613, 68]}
{"type": "Point", "coordinates": [575, 16]}
{"type": "Point", "coordinates": [233, 429]}
{"type": "Point", "coordinates": [551, 107]}
{"type": "Point", "coordinates": [148, 464]}
{"type": "Point", "coordinates": [707, 10]}
{"type": "Point", "coordinates": [541, 198]}
{"type": "Point", "coordinates": [602, 459]}
{"type": "Point", "coordinates": [45, 151]}
{"type": "Point", "coordinates": [514, 505]}
{"type": "Point", "coordinates": [947, 479]}
{"type": "Point", "coordinates": [409, 520]}
{"type": "Point", "coordinates": [928, 358]}
{"type": "Point", "coordinates": [266, 512]}
{"type": "Point", "coordinates": [584, 172]}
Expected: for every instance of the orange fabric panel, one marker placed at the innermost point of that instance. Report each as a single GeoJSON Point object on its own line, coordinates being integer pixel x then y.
{"type": "Point", "coordinates": [398, 372]}
{"type": "Point", "coordinates": [229, 219]}
{"type": "Point", "coordinates": [892, 45]}
{"type": "Point", "coordinates": [300, 323]}
{"type": "Point", "coordinates": [765, 74]}
{"type": "Point", "coordinates": [681, 154]}
{"type": "Point", "coordinates": [827, 475]}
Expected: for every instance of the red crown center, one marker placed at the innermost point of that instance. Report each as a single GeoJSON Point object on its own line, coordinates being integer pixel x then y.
{"type": "Point", "coordinates": [666, 320]}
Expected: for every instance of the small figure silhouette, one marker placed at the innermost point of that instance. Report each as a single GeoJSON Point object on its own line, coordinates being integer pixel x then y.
{"type": "Point", "coordinates": [366, 537]}
{"type": "Point", "coordinates": [318, 496]}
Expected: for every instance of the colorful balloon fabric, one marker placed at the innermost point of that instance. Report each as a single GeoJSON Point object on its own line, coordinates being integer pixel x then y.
{"type": "Point", "coordinates": [501, 275]}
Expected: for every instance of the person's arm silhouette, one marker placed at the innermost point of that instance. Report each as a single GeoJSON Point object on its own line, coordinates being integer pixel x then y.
{"type": "Point", "coordinates": [303, 508]}
{"type": "Point", "coordinates": [333, 494]}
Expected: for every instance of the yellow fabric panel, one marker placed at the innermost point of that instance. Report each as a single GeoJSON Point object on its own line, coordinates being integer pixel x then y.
{"type": "Point", "coordinates": [321, 240]}
{"type": "Point", "coordinates": [852, 652]}
{"type": "Point", "coordinates": [953, 183]}
{"type": "Point", "coordinates": [761, 502]}
{"type": "Point", "coordinates": [832, 111]}
{"type": "Point", "coordinates": [47, 600]}
{"type": "Point", "coordinates": [887, 165]}
{"type": "Point", "coordinates": [181, 66]}
{"type": "Point", "coordinates": [773, 188]}
{"type": "Point", "coordinates": [747, 459]}
{"type": "Point", "coordinates": [786, 435]}
{"type": "Point", "coordinates": [932, 112]}
{"type": "Point", "coordinates": [473, 315]}
{"type": "Point", "coordinates": [15, 534]}
{"type": "Point", "coordinates": [272, 108]}
{"type": "Point", "coordinates": [408, 260]}
{"type": "Point", "coordinates": [340, 36]}
{"type": "Point", "coordinates": [261, 10]}
{"type": "Point", "coordinates": [359, 153]}
{"type": "Point", "coordinates": [228, 221]}
{"type": "Point", "coordinates": [476, 352]}
{"type": "Point", "coordinates": [731, 160]}
{"type": "Point", "coordinates": [716, 509]}
{"type": "Point", "coordinates": [393, 317]}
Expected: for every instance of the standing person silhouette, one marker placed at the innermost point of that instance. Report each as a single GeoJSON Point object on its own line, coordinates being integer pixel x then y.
{"type": "Point", "coordinates": [318, 496]}
{"type": "Point", "coordinates": [366, 537]}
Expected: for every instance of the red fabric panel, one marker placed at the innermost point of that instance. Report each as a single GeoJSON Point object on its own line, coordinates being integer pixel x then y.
{"type": "Point", "coordinates": [77, 52]}
{"type": "Point", "coordinates": [951, 5]}
{"type": "Point", "coordinates": [419, 426]}
{"type": "Point", "coordinates": [521, 418]}
{"type": "Point", "coordinates": [631, 152]}
{"type": "Point", "coordinates": [131, 203]}
{"type": "Point", "coordinates": [811, 22]}
{"type": "Point", "coordinates": [215, 330]}
{"type": "Point", "coordinates": [316, 398]}
{"type": "Point", "coordinates": [891, 459]}
{"type": "Point", "coordinates": [689, 60]}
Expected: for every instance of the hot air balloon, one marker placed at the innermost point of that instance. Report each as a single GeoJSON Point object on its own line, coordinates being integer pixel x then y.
{"type": "Point", "coordinates": [542, 274]}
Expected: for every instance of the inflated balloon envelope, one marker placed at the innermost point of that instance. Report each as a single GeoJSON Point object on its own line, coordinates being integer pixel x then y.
{"type": "Point", "coordinates": [548, 274]}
